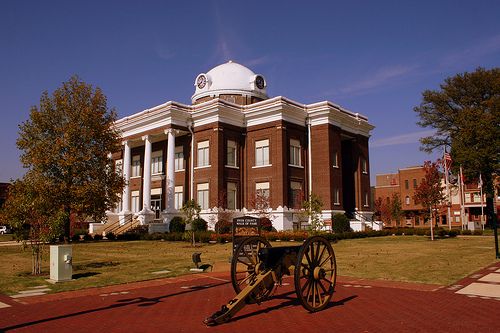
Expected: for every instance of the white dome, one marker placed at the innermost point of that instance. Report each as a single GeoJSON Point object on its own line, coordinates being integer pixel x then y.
{"type": "Point", "coordinates": [229, 78]}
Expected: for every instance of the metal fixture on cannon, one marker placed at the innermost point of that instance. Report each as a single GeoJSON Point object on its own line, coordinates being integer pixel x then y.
{"type": "Point", "coordinates": [257, 268]}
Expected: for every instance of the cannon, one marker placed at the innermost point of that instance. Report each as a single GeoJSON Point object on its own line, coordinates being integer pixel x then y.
{"type": "Point", "coordinates": [257, 269]}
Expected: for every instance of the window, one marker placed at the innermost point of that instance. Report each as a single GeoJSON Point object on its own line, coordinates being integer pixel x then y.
{"type": "Point", "coordinates": [202, 190]}
{"type": "Point", "coordinates": [119, 167]}
{"type": "Point", "coordinates": [364, 167]}
{"type": "Point", "coordinates": [231, 153]}
{"type": "Point", "coordinates": [179, 159]}
{"type": "Point", "coordinates": [407, 184]}
{"type": "Point", "coordinates": [262, 152]}
{"type": "Point", "coordinates": [262, 189]}
{"type": "Point", "coordinates": [135, 201]}
{"type": "Point", "coordinates": [407, 200]}
{"type": "Point", "coordinates": [203, 153]}
{"type": "Point", "coordinates": [335, 159]}
{"type": "Point", "coordinates": [157, 163]}
{"type": "Point", "coordinates": [178, 197]}
{"type": "Point", "coordinates": [296, 195]}
{"type": "Point", "coordinates": [295, 152]}
{"type": "Point", "coordinates": [231, 196]}
{"type": "Point", "coordinates": [366, 200]}
{"type": "Point", "coordinates": [336, 197]}
{"type": "Point", "coordinates": [415, 183]}
{"type": "Point", "coordinates": [136, 166]}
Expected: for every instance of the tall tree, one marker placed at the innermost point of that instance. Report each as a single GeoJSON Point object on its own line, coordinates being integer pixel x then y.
{"type": "Point", "coordinates": [430, 191]}
{"type": "Point", "coordinates": [396, 209]}
{"type": "Point", "coordinates": [66, 142]}
{"type": "Point", "coordinates": [466, 115]}
{"type": "Point", "coordinates": [383, 210]}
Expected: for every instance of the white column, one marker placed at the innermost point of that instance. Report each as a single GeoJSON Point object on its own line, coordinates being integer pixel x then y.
{"type": "Point", "coordinates": [126, 176]}
{"type": "Point", "coordinates": [170, 183]}
{"type": "Point", "coordinates": [146, 185]}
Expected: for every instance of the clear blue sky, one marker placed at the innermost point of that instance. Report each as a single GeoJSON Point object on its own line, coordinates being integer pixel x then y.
{"type": "Point", "coordinates": [371, 57]}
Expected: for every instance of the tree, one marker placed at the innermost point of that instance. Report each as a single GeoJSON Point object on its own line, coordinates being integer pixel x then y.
{"type": "Point", "coordinates": [262, 205]}
{"type": "Point", "coordinates": [396, 209]}
{"type": "Point", "coordinates": [33, 217]}
{"type": "Point", "coordinates": [191, 211]}
{"type": "Point", "coordinates": [312, 209]}
{"type": "Point", "coordinates": [430, 191]}
{"type": "Point", "coordinates": [66, 144]}
{"type": "Point", "coordinates": [383, 211]}
{"type": "Point", "coordinates": [466, 115]}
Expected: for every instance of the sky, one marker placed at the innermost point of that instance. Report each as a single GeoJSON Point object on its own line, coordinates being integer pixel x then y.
{"type": "Point", "coordinates": [371, 57]}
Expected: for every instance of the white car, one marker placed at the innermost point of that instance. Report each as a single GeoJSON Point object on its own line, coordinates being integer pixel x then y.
{"type": "Point", "coordinates": [4, 229]}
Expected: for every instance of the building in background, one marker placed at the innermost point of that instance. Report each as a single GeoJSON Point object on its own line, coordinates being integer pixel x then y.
{"type": "Point", "coordinates": [233, 144]}
{"type": "Point", "coordinates": [466, 206]}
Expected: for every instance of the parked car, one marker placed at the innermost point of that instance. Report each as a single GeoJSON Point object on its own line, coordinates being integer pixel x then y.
{"type": "Point", "coordinates": [4, 229]}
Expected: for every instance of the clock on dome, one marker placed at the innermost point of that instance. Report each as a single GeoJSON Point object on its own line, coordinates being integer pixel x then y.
{"type": "Point", "coordinates": [259, 82]}
{"type": "Point", "coordinates": [201, 82]}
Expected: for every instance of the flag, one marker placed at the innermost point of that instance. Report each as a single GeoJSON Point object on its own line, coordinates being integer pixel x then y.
{"type": "Point", "coordinates": [480, 182]}
{"type": "Point", "coordinates": [447, 160]}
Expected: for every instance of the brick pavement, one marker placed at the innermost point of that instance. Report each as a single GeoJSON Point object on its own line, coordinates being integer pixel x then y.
{"type": "Point", "coordinates": [180, 304]}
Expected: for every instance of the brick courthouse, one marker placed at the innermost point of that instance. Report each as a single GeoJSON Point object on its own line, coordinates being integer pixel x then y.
{"type": "Point", "coordinates": [234, 141]}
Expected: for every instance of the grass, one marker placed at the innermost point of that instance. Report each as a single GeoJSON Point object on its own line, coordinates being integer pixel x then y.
{"type": "Point", "coordinates": [402, 258]}
{"type": "Point", "coordinates": [6, 237]}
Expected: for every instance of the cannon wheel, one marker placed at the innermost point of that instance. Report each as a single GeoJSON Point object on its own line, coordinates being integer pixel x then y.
{"type": "Point", "coordinates": [315, 273]}
{"type": "Point", "coordinates": [244, 266]}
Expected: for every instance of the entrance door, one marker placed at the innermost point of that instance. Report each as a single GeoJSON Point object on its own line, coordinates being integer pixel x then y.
{"type": "Point", "coordinates": [156, 206]}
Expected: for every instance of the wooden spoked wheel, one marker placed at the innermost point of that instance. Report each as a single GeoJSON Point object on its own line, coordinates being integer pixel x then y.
{"type": "Point", "coordinates": [315, 273]}
{"type": "Point", "coordinates": [245, 267]}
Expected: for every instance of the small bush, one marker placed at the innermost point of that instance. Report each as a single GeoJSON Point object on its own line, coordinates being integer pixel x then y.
{"type": "Point", "coordinates": [75, 238]}
{"type": "Point", "coordinates": [110, 236]}
{"type": "Point", "coordinates": [266, 224]}
{"type": "Point", "coordinates": [199, 225]}
{"type": "Point", "coordinates": [129, 236]}
{"type": "Point", "coordinates": [97, 237]}
{"type": "Point", "coordinates": [221, 238]}
{"type": "Point", "coordinates": [177, 224]}
{"type": "Point", "coordinates": [477, 232]}
{"type": "Point", "coordinates": [223, 227]}
{"type": "Point", "coordinates": [340, 223]}
{"type": "Point", "coordinates": [466, 232]}
{"type": "Point", "coordinates": [453, 233]}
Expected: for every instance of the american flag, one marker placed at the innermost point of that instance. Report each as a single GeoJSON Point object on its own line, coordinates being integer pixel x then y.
{"type": "Point", "coordinates": [447, 160]}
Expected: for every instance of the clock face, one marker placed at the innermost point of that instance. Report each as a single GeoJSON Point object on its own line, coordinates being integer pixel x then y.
{"type": "Point", "coordinates": [259, 82]}
{"type": "Point", "coordinates": [201, 82]}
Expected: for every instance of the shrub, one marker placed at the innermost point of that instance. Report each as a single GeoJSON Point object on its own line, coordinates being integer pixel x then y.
{"type": "Point", "coordinates": [340, 223]}
{"type": "Point", "coordinates": [110, 236]}
{"type": "Point", "coordinates": [266, 224]}
{"type": "Point", "coordinates": [177, 224]}
{"type": "Point", "coordinates": [199, 224]}
{"type": "Point", "coordinates": [477, 232]}
{"type": "Point", "coordinates": [128, 236]}
{"type": "Point", "coordinates": [223, 227]}
{"type": "Point", "coordinates": [97, 237]}
{"type": "Point", "coordinates": [221, 238]}
{"type": "Point", "coordinates": [453, 233]}
{"type": "Point", "coordinates": [466, 232]}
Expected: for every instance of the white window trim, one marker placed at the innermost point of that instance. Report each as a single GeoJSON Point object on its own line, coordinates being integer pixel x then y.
{"type": "Point", "coordinates": [201, 167]}
{"type": "Point", "coordinates": [261, 166]}
{"type": "Point", "coordinates": [155, 154]}
{"type": "Point", "coordinates": [179, 149]}
{"type": "Point", "coordinates": [296, 166]}
{"type": "Point", "coordinates": [232, 187]}
{"type": "Point", "coordinates": [232, 144]}
{"type": "Point", "coordinates": [260, 144]}
{"type": "Point", "coordinates": [296, 144]}
{"type": "Point", "coordinates": [336, 160]}
{"type": "Point", "coordinates": [202, 145]}
{"type": "Point", "coordinates": [135, 158]}
{"type": "Point", "coordinates": [336, 197]}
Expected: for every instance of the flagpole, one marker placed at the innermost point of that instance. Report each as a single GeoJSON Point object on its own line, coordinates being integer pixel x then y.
{"type": "Point", "coordinates": [447, 187]}
{"type": "Point", "coordinates": [480, 183]}
{"type": "Point", "coordinates": [462, 209]}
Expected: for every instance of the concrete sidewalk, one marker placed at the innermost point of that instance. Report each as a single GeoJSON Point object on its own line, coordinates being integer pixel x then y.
{"type": "Point", "coordinates": [180, 305]}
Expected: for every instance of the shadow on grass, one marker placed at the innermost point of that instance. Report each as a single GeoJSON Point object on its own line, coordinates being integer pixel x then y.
{"type": "Point", "coordinates": [84, 275]}
{"type": "Point", "coordinates": [99, 264]}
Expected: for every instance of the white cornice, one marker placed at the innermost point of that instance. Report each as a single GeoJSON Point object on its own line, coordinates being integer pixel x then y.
{"type": "Point", "coordinates": [274, 109]}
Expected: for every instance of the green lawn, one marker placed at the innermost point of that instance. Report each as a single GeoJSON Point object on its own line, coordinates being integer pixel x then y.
{"type": "Point", "coordinates": [401, 258]}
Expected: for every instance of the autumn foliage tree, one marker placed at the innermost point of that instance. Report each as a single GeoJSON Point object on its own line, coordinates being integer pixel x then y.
{"type": "Point", "coordinates": [465, 112]}
{"type": "Point", "coordinates": [65, 145]}
{"type": "Point", "coordinates": [430, 191]}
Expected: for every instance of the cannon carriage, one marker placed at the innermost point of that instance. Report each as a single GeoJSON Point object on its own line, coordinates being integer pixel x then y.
{"type": "Point", "coordinates": [257, 269]}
